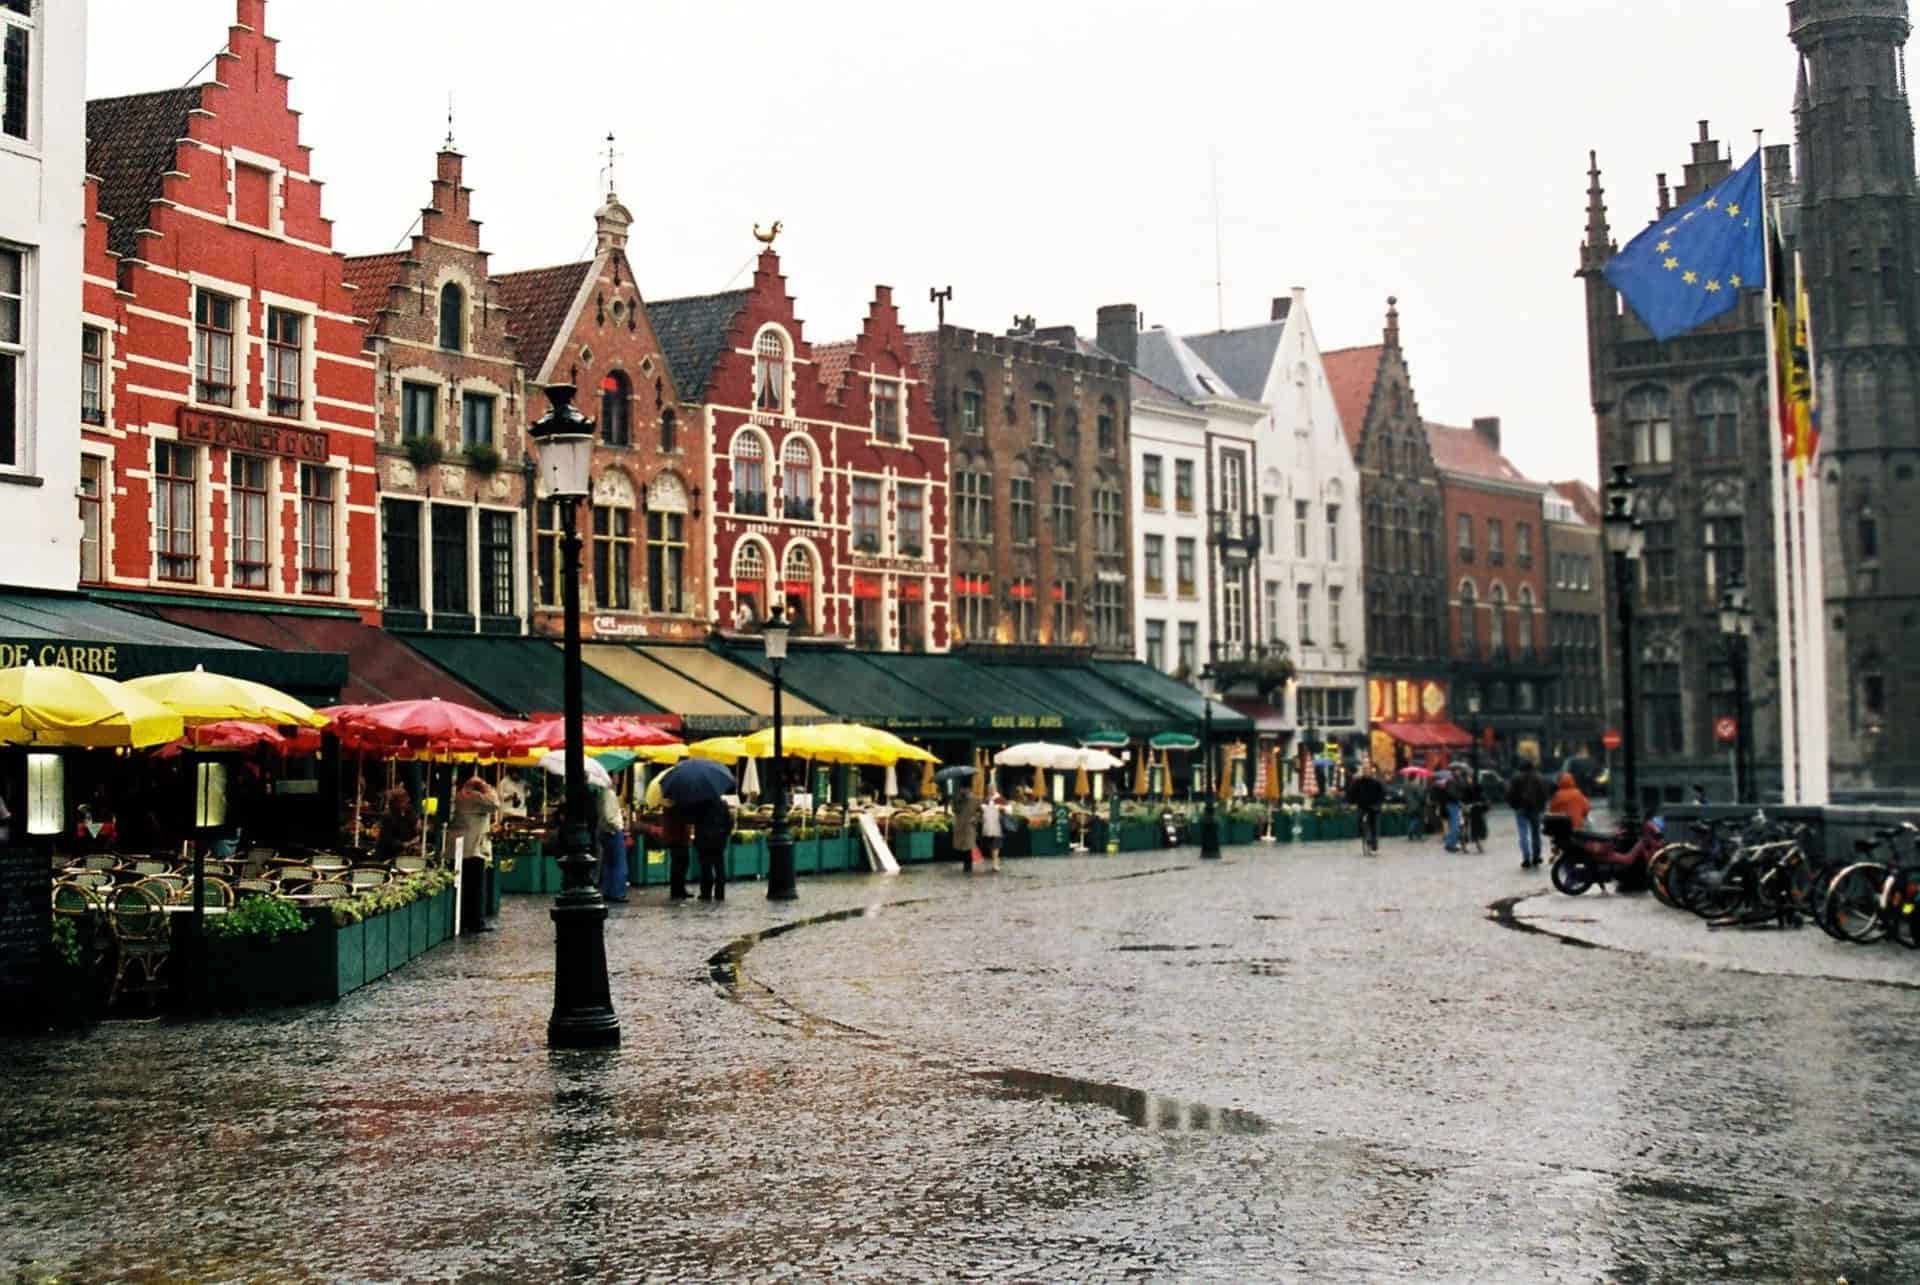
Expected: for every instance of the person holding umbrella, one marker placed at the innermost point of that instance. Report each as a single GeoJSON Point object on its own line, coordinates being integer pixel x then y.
{"type": "Point", "coordinates": [611, 822]}
{"type": "Point", "coordinates": [697, 790]}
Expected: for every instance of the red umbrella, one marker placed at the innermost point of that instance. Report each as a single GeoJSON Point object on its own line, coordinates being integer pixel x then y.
{"type": "Point", "coordinates": [240, 734]}
{"type": "Point", "coordinates": [423, 723]}
{"type": "Point", "coordinates": [600, 729]}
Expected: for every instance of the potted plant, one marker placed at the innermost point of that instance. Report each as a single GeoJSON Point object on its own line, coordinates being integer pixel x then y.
{"type": "Point", "coordinates": [482, 458]}
{"type": "Point", "coordinates": [423, 452]}
{"type": "Point", "coordinates": [251, 958]}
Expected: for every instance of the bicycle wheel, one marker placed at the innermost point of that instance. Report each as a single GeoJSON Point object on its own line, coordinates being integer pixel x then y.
{"type": "Point", "coordinates": [1712, 889]}
{"type": "Point", "coordinates": [1853, 902]}
{"type": "Point", "coordinates": [1569, 876]}
{"type": "Point", "coordinates": [1659, 867]}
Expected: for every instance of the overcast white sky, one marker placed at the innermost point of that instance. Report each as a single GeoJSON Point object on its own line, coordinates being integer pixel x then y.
{"type": "Point", "coordinates": [1044, 156]}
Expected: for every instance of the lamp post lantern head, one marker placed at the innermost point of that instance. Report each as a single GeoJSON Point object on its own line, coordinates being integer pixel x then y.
{"type": "Point", "coordinates": [1473, 700]}
{"type": "Point", "coordinates": [775, 633]}
{"type": "Point", "coordinates": [1736, 615]}
{"type": "Point", "coordinates": [564, 438]}
{"type": "Point", "coordinates": [1625, 535]}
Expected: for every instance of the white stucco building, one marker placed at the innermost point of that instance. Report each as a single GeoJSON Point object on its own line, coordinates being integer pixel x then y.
{"type": "Point", "coordinates": [42, 212]}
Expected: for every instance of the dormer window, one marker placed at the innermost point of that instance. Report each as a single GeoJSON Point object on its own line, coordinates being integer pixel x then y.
{"type": "Point", "coordinates": [16, 39]}
{"type": "Point", "coordinates": [453, 306]}
{"type": "Point", "coordinates": [770, 373]}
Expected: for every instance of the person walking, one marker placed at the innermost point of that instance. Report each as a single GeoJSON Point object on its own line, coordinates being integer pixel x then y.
{"type": "Point", "coordinates": [677, 834]}
{"type": "Point", "coordinates": [1446, 797]}
{"type": "Point", "coordinates": [992, 827]}
{"type": "Point", "coordinates": [712, 823]}
{"type": "Point", "coordinates": [1368, 794]}
{"type": "Point", "coordinates": [966, 825]}
{"type": "Point", "coordinates": [610, 820]}
{"type": "Point", "coordinates": [471, 832]}
{"type": "Point", "coordinates": [1528, 795]}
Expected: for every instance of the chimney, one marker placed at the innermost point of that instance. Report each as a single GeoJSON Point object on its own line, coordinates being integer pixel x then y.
{"type": "Point", "coordinates": [1117, 330]}
{"type": "Point", "coordinates": [1488, 427]}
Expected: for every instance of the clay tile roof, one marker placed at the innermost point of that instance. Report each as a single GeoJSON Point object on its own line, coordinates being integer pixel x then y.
{"type": "Point", "coordinates": [131, 145]}
{"type": "Point", "coordinates": [924, 347]}
{"type": "Point", "coordinates": [1585, 500]}
{"type": "Point", "coordinates": [1350, 376]}
{"type": "Point", "coordinates": [1463, 450]}
{"type": "Point", "coordinates": [538, 301]}
{"type": "Point", "coordinates": [693, 333]}
{"type": "Point", "coordinates": [373, 276]}
{"type": "Point", "coordinates": [832, 361]}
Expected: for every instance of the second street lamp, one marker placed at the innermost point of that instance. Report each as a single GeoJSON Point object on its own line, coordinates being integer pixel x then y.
{"type": "Point", "coordinates": [1625, 538]}
{"type": "Point", "coordinates": [781, 884]}
{"type": "Point", "coordinates": [1209, 824]}
{"type": "Point", "coordinates": [582, 999]}
{"type": "Point", "coordinates": [1736, 627]}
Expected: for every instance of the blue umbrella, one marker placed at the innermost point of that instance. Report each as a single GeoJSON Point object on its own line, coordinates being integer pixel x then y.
{"type": "Point", "coordinates": [693, 781]}
{"type": "Point", "coordinates": [948, 775]}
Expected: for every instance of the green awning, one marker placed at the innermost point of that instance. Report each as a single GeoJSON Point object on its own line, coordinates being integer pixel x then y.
{"type": "Point", "coordinates": [860, 687]}
{"type": "Point", "coordinates": [1092, 701]}
{"type": "Point", "coordinates": [1002, 707]}
{"type": "Point", "coordinates": [1175, 741]}
{"type": "Point", "coordinates": [1171, 694]}
{"type": "Point", "coordinates": [1106, 738]}
{"type": "Point", "coordinates": [525, 675]}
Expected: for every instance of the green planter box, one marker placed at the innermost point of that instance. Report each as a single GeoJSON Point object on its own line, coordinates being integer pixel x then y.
{"type": "Point", "coordinates": [913, 846]}
{"type": "Point", "coordinates": [1339, 825]}
{"type": "Point", "coordinates": [1242, 832]}
{"type": "Point", "coordinates": [439, 917]}
{"type": "Point", "coordinates": [376, 946]}
{"type": "Point", "coordinates": [1043, 843]}
{"type": "Point", "coordinates": [1017, 841]}
{"type": "Point", "coordinates": [1138, 836]}
{"type": "Point", "coordinates": [836, 853]}
{"type": "Point", "coordinates": [806, 856]}
{"type": "Point", "coordinates": [419, 915]}
{"type": "Point", "coordinates": [747, 860]}
{"type": "Point", "coordinates": [341, 955]}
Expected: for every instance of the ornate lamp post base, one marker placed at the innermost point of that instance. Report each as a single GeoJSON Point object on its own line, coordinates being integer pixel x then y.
{"type": "Point", "coordinates": [583, 1015]}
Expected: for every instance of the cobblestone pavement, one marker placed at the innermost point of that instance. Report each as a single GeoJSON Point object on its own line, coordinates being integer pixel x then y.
{"type": "Point", "coordinates": [1293, 1064]}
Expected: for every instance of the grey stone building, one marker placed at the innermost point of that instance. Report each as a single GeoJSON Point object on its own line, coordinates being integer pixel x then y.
{"type": "Point", "coordinates": [1577, 634]}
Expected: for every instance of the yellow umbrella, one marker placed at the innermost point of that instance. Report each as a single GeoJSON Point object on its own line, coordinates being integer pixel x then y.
{"type": "Point", "coordinates": [1273, 777]}
{"type": "Point", "coordinates": [1039, 782]}
{"type": "Point", "coordinates": [200, 697]}
{"type": "Point", "coordinates": [721, 749]}
{"type": "Point", "coordinates": [1140, 773]}
{"type": "Point", "coordinates": [838, 743]}
{"type": "Point", "coordinates": [52, 705]}
{"type": "Point", "coordinates": [929, 788]}
{"type": "Point", "coordinates": [1080, 785]}
{"type": "Point", "coordinates": [659, 753]}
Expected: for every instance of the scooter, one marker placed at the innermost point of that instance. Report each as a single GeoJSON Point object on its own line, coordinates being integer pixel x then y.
{"type": "Point", "coordinates": [1582, 859]}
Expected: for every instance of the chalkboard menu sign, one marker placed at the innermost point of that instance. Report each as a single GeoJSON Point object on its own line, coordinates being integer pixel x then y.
{"type": "Point", "coordinates": [26, 909]}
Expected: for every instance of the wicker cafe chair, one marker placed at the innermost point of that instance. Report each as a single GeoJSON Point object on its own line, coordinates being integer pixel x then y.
{"type": "Point", "coordinates": [173, 883]}
{"type": "Point", "coordinates": [330, 889]}
{"type": "Point", "coordinates": [138, 921]}
{"type": "Point", "coordinates": [98, 880]}
{"type": "Point", "coordinates": [295, 874]}
{"type": "Point", "coordinates": [100, 861]}
{"type": "Point", "coordinates": [74, 900]}
{"type": "Point", "coordinates": [151, 867]}
{"type": "Point", "coordinates": [365, 877]}
{"type": "Point", "coordinates": [410, 865]}
{"type": "Point", "coordinates": [255, 888]}
{"type": "Point", "coordinates": [214, 893]}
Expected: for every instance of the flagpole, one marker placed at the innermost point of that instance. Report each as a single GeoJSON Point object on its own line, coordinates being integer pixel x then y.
{"type": "Point", "coordinates": [1816, 746]}
{"type": "Point", "coordinates": [1782, 547]}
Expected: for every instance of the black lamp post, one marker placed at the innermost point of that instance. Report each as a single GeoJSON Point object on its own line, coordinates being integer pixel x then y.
{"type": "Point", "coordinates": [582, 1000]}
{"type": "Point", "coordinates": [1736, 626]}
{"type": "Point", "coordinates": [781, 885]}
{"type": "Point", "coordinates": [1625, 539]}
{"type": "Point", "coordinates": [1473, 750]}
{"type": "Point", "coordinates": [1209, 824]}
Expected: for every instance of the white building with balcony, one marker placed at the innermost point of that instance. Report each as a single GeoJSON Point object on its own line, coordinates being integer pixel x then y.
{"type": "Point", "coordinates": [43, 150]}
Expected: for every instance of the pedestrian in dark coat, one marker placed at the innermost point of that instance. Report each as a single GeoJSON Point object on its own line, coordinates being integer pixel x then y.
{"type": "Point", "coordinates": [677, 834]}
{"type": "Point", "coordinates": [966, 826]}
{"type": "Point", "coordinates": [712, 823]}
{"type": "Point", "coordinates": [1528, 794]}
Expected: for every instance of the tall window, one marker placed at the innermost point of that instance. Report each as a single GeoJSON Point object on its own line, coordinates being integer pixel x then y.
{"type": "Point", "coordinates": [247, 519]}
{"type": "Point", "coordinates": [1110, 614]}
{"type": "Point", "coordinates": [1063, 601]}
{"type": "Point", "coordinates": [176, 537]}
{"type": "Point", "coordinates": [1666, 728]}
{"type": "Point", "coordinates": [770, 373]}
{"type": "Point", "coordinates": [666, 560]}
{"type": "Point", "coordinates": [1463, 536]}
{"type": "Point", "coordinates": [1336, 633]}
{"type": "Point", "coordinates": [400, 534]}
{"type": "Point", "coordinates": [1402, 540]}
{"type": "Point", "coordinates": [1303, 612]}
{"type": "Point", "coordinates": [496, 563]}
{"type": "Point", "coordinates": [1525, 639]}
{"type": "Point", "coordinates": [1649, 417]}
{"type": "Point", "coordinates": [1025, 609]}
{"type": "Point", "coordinates": [886, 409]}
{"type": "Point", "coordinates": [1496, 542]}
{"type": "Point", "coordinates": [317, 562]}
{"type": "Point", "coordinates": [1497, 614]}
{"type": "Point", "coordinates": [1155, 569]}
{"type": "Point", "coordinates": [973, 607]}
{"type": "Point", "coordinates": [1716, 418]}
{"type": "Point", "coordinates": [868, 630]}
{"type": "Point", "coordinates": [1233, 481]}
{"type": "Point", "coordinates": [669, 431]}
{"type": "Point", "coordinates": [1040, 409]}
{"type": "Point", "coordinates": [1660, 566]}
{"type": "Point", "coordinates": [1020, 509]}
{"type": "Point", "coordinates": [910, 501]}
{"type": "Point", "coordinates": [799, 586]}
{"type": "Point", "coordinates": [749, 475]}
{"type": "Point", "coordinates": [616, 409]}
{"type": "Point", "coordinates": [1185, 563]}
{"type": "Point", "coordinates": [476, 419]}
{"type": "Point", "coordinates": [1868, 530]}
{"type": "Point", "coordinates": [13, 350]}
{"type": "Point", "coordinates": [1063, 515]}
{"type": "Point", "coordinates": [1188, 658]}
{"type": "Point", "coordinates": [1233, 612]}
{"type": "Point", "coordinates": [450, 594]}
{"type": "Point", "coordinates": [453, 317]}
{"type": "Point", "coordinates": [284, 348]}
{"type": "Point", "coordinates": [973, 404]}
{"type": "Point", "coordinates": [93, 375]}
{"type": "Point", "coordinates": [93, 471]}
{"type": "Point", "coordinates": [1302, 511]}
{"type": "Point", "coordinates": [1106, 428]}
{"type": "Point", "coordinates": [1523, 543]}
{"type": "Point", "coordinates": [973, 506]}
{"type": "Point", "coordinates": [546, 552]}
{"type": "Point", "coordinates": [1150, 482]}
{"type": "Point", "coordinates": [796, 481]}
{"type": "Point", "coordinates": [1428, 553]}
{"type": "Point", "coordinates": [1157, 644]}
{"type": "Point", "coordinates": [1270, 523]}
{"type": "Point", "coordinates": [16, 30]}
{"type": "Point", "coordinates": [866, 514]}
{"type": "Point", "coordinates": [612, 557]}
{"type": "Point", "coordinates": [1469, 620]}
{"type": "Point", "coordinates": [1333, 533]}
{"type": "Point", "coordinates": [418, 403]}
{"type": "Point", "coordinates": [1726, 545]}
{"type": "Point", "coordinates": [913, 615]}
{"type": "Point", "coordinates": [213, 348]}
{"type": "Point", "coordinates": [750, 581]}
{"type": "Point", "coordinates": [1183, 485]}
{"type": "Point", "coordinates": [1270, 604]}
{"type": "Point", "coordinates": [1106, 520]}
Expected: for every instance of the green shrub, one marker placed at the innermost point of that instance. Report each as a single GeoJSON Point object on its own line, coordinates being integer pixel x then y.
{"type": "Point", "coordinates": [259, 917]}
{"type": "Point", "coordinates": [424, 452]}
{"type": "Point", "coordinates": [482, 459]}
{"type": "Point", "coordinates": [66, 941]}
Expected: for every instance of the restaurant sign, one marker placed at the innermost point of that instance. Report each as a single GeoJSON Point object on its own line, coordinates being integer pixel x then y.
{"type": "Point", "coordinates": [1404, 700]}
{"type": "Point", "coordinates": [88, 658]}
{"type": "Point", "coordinates": [211, 428]}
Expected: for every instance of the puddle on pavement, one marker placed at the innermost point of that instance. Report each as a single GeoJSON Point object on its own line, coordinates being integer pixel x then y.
{"type": "Point", "coordinates": [1136, 1106]}
{"type": "Point", "coordinates": [1157, 947]}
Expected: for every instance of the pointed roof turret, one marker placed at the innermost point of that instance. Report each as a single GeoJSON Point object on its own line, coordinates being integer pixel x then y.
{"type": "Point", "coordinates": [1598, 247]}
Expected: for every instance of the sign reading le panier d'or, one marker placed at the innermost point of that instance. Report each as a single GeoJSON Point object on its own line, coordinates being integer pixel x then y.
{"type": "Point", "coordinates": [212, 428]}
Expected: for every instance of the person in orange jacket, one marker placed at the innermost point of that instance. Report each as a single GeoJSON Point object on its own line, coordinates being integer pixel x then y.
{"type": "Point", "coordinates": [1567, 801]}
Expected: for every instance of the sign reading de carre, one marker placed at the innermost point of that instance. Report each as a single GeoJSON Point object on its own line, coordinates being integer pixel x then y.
{"type": "Point", "coordinates": [88, 658]}
{"type": "Point", "coordinates": [212, 428]}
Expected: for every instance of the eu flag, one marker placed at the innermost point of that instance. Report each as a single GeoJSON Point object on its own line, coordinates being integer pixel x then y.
{"type": "Point", "coordinates": [1690, 266]}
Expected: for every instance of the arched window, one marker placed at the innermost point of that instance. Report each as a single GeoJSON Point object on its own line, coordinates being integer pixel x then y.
{"type": "Point", "coordinates": [453, 317]}
{"type": "Point", "coordinates": [669, 431]}
{"type": "Point", "coordinates": [749, 584]}
{"type": "Point", "coordinates": [796, 480]}
{"type": "Point", "coordinates": [1469, 620]}
{"type": "Point", "coordinates": [1526, 620]}
{"type": "Point", "coordinates": [1649, 417]}
{"type": "Point", "coordinates": [1497, 599]}
{"type": "Point", "coordinates": [615, 400]}
{"type": "Point", "coordinates": [749, 475]}
{"type": "Point", "coordinates": [798, 575]}
{"type": "Point", "coordinates": [1716, 419]}
{"type": "Point", "coordinates": [770, 372]}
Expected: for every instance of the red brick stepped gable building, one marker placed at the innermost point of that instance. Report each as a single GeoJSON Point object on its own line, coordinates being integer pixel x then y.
{"type": "Point", "coordinates": [645, 550]}
{"type": "Point", "coordinates": [228, 448]}
{"type": "Point", "coordinates": [451, 440]}
{"type": "Point", "coordinates": [828, 475]}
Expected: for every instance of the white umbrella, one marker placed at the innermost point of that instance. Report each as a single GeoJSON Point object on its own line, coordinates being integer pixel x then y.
{"type": "Point", "coordinates": [750, 780]}
{"type": "Point", "coordinates": [1038, 754]}
{"type": "Point", "coordinates": [556, 763]}
{"type": "Point", "coordinates": [893, 783]}
{"type": "Point", "coordinates": [1097, 760]}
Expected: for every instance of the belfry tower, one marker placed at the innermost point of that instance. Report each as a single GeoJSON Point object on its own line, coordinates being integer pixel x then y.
{"type": "Point", "coordinates": [1858, 236]}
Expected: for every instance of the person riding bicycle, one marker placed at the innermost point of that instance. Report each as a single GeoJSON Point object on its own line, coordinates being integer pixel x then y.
{"type": "Point", "coordinates": [1367, 795]}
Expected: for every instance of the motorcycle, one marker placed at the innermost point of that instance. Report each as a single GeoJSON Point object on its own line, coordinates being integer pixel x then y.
{"type": "Point", "coordinates": [1582, 859]}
